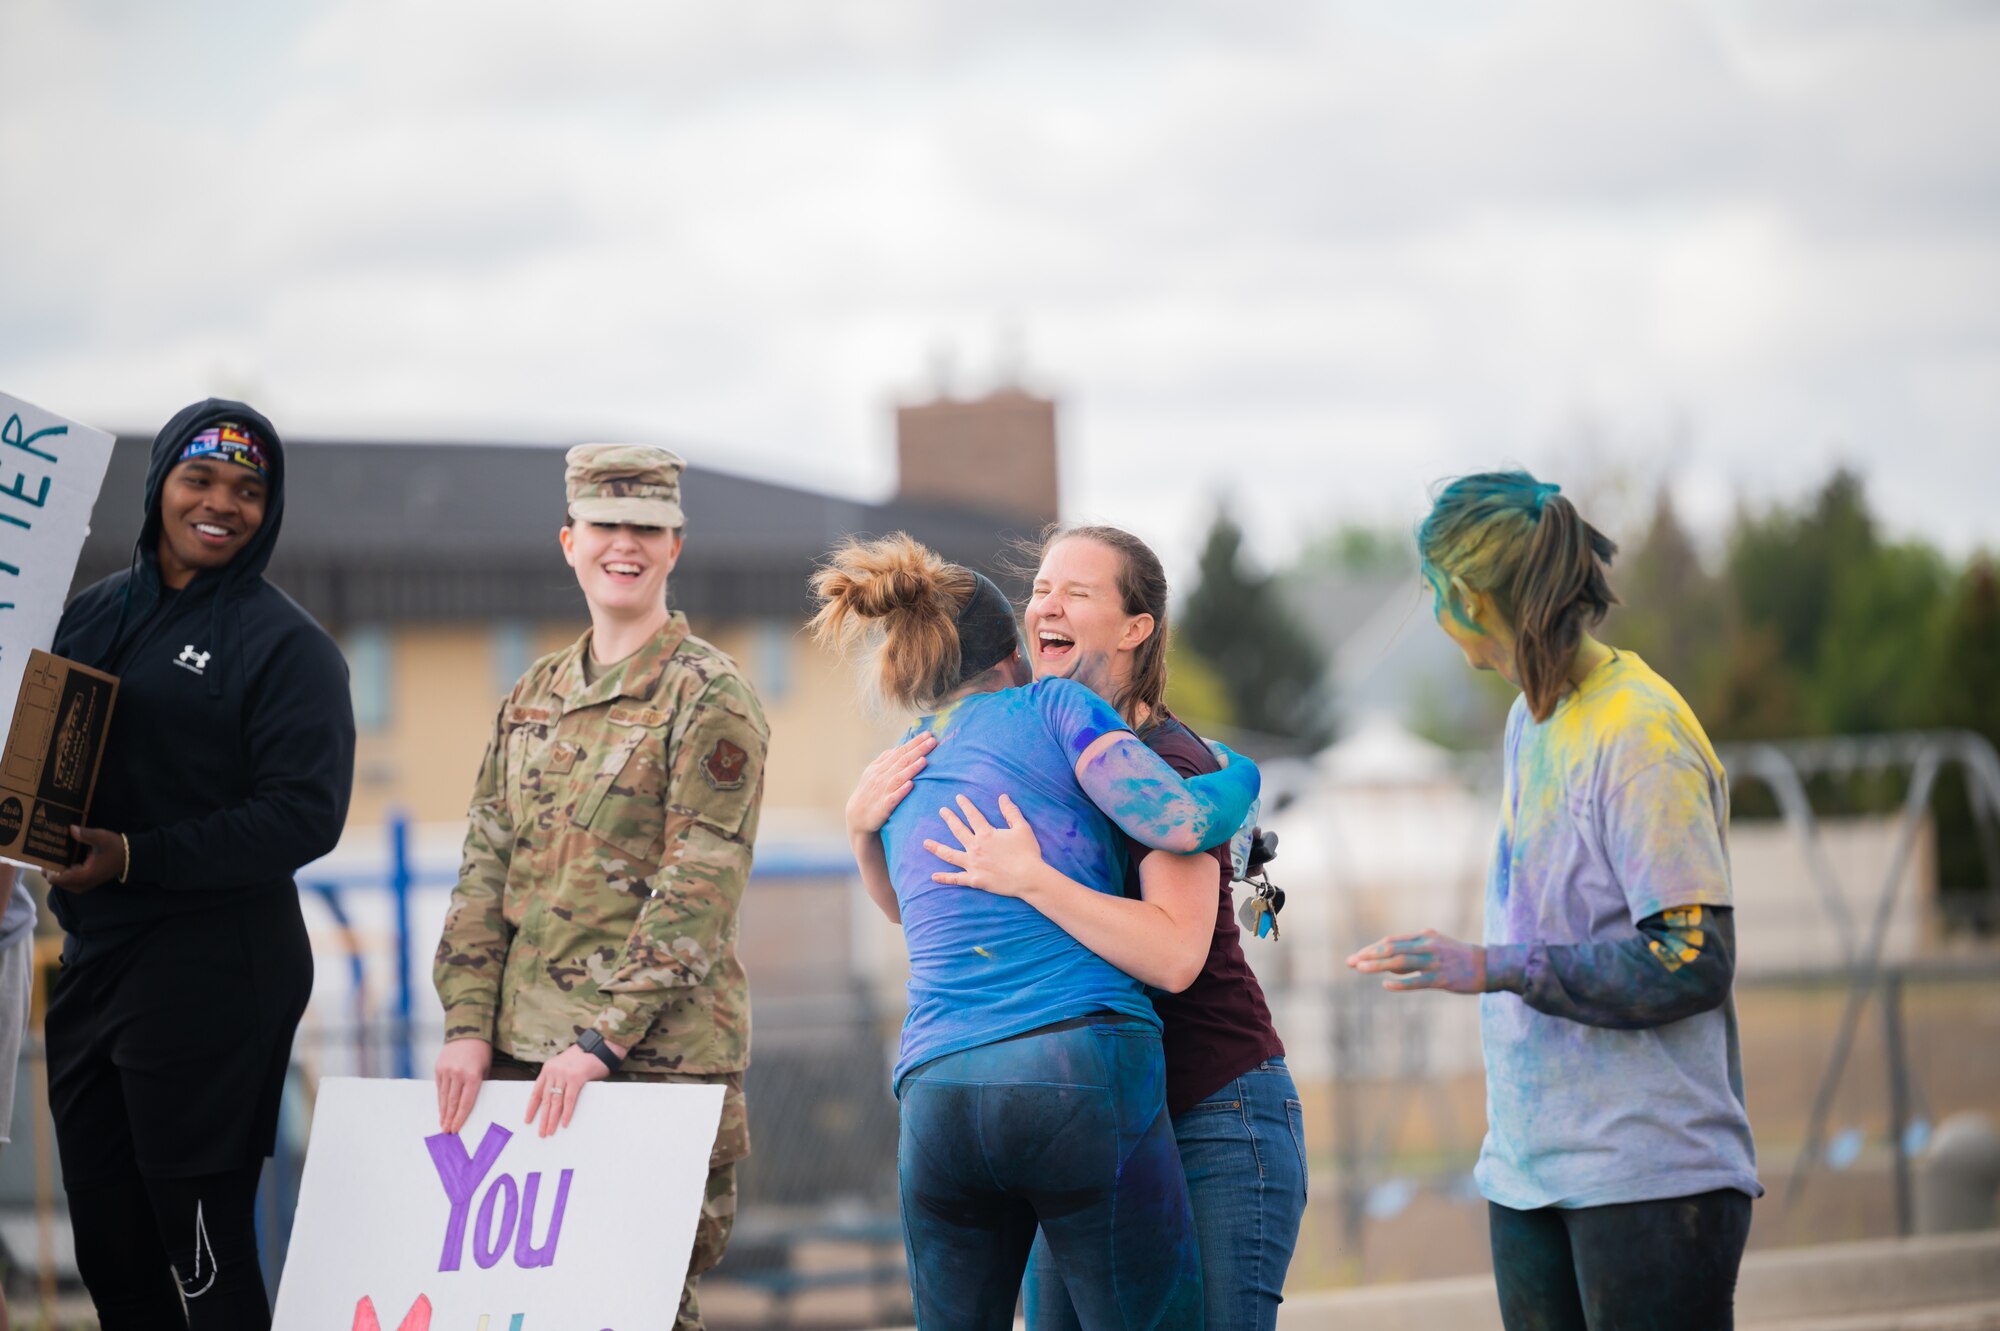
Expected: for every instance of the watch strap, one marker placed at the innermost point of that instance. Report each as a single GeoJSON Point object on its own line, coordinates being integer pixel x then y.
{"type": "Point", "coordinates": [593, 1043]}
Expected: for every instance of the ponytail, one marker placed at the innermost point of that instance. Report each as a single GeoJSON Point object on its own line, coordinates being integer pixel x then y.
{"type": "Point", "coordinates": [1520, 541]}
{"type": "Point", "coordinates": [1559, 590]}
{"type": "Point", "coordinates": [913, 597]}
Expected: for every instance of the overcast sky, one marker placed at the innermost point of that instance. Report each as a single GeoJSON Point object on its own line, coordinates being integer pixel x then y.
{"type": "Point", "coordinates": [1318, 255]}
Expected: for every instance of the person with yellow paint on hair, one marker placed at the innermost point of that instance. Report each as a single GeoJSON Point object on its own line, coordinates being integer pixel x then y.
{"type": "Point", "coordinates": [1618, 1165]}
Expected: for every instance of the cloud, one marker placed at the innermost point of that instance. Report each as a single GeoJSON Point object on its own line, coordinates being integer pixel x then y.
{"type": "Point", "coordinates": [1317, 255]}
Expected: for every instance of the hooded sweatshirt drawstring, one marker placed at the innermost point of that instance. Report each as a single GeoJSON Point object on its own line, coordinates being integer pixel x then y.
{"type": "Point", "coordinates": [215, 636]}
{"type": "Point", "coordinates": [125, 598]}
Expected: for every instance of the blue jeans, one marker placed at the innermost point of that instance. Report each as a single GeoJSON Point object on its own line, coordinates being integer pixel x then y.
{"type": "Point", "coordinates": [1244, 1151]}
{"type": "Point", "coordinates": [1064, 1128]}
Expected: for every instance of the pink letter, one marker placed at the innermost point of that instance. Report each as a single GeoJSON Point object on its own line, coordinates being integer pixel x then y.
{"type": "Point", "coordinates": [418, 1318]}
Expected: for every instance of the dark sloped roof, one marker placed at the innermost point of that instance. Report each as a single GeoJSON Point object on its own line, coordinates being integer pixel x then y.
{"type": "Point", "coordinates": [457, 531]}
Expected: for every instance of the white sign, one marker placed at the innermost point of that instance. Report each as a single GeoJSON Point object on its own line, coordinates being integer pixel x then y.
{"type": "Point", "coordinates": [496, 1228]}
{"type": "Point", "coordinates": [50, 471]}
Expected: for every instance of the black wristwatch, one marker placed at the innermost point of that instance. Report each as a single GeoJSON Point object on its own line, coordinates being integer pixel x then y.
{"type": "Point", "coordinates": [590, 1042]}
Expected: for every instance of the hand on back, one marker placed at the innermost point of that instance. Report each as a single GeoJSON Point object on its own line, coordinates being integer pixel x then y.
{"type": "Point", "coordinates": [1002, 860]}
{"type": "Point", "coordinates": [885, 782]}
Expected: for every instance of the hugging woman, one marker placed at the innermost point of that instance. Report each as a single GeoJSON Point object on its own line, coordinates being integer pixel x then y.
{"type": "Point", "coordinates": [1030, 1075]}
{"type": "Point", "coordinates": [1098, 615]}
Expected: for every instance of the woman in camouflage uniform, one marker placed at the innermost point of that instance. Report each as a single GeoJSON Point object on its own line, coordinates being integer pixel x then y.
{"type": "Point", "coordinates": [592, 933]}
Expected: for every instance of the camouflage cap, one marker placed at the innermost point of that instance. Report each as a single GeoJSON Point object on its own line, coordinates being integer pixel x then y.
{"type": "Point", "coordinates": [635, 483]}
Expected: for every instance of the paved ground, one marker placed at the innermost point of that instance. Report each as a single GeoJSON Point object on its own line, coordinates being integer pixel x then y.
{"type": "Point", "coordinates": [1946, 1283]}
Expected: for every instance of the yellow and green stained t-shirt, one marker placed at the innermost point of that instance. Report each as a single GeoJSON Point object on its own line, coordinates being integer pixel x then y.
{"type": "Point", "coordinates": [1614, 811]}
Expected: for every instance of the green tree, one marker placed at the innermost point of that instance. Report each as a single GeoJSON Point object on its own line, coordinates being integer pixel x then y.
{"type": "Point", "coordinates": [1270, 668]}
{"type": "Point", "coordinates": [1833, 630]}
{"type": "Point", "coordinates": [1353, 547]}
{"type": "Point", "coordinates": [1963, 695]}
{"type": "Point", "coordinates": [1784, 567]}
{"type": "Point", "coordinates": [1881, 636]}
{"type": "Point", "coordinates": [1756, 696]}
{"type": "Point", "coordinates": [1672, 611]}
{"type": "Point", "coordinates": [1965, 683]}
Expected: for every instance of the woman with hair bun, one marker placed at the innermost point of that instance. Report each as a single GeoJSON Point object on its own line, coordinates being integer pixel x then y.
{"type": "Point", "coordinates": [1097, 614]}
{"type": "Point", "coordinates": [1618, 1165]}
{"type": "Point", "coordinates": [1030, 1073]}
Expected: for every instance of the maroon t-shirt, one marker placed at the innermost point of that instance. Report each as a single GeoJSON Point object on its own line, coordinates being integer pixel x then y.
{"type": "Point", "coordinates": [1218, 1028]}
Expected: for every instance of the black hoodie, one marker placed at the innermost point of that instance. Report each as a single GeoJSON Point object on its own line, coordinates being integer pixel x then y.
{"type": "Point", "coordinates": [231, 751]}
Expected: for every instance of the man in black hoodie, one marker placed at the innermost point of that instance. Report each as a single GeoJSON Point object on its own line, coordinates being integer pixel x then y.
{"type": "Point", "coordinates": [186, 966]}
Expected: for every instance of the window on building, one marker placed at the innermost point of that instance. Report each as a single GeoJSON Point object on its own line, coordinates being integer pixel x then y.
{"type": "Point", "coordinates": [370, 675]}
{"type": "Point", "coordinates": [776, 640]}
{"type": "Point", "coordinates": [513, 653]}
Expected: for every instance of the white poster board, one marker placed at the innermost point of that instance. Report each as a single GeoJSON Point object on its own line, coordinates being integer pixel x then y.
{"type": "Point", "coordinates": [497, 1227]}
{"type": "Point", "coordinates": [50, 471]}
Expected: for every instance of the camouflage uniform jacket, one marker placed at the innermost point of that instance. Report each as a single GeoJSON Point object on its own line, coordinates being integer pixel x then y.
{"type": "Point", "coordinates": [608, 845]}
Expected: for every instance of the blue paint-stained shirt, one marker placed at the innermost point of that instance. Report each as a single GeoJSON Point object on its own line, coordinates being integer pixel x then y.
{"type": "Point", "coordinates": [985, 967]}
{"type": "Point", "coordinates": [1614, 809]}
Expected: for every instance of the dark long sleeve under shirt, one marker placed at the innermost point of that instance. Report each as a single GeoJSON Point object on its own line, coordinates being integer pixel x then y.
{"type": "Point", "coordinates": [1682, 962]}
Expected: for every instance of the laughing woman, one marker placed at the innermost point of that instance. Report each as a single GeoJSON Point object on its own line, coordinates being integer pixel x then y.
{"type": "Point", "coordinates": [1618, 1165]}
{"type": "Point", "coordinates": [592, 933]}
{"type": "Point", "coordinates": [1030, 1075]}
{"type": "Point", "coordinates": [1098, 615]}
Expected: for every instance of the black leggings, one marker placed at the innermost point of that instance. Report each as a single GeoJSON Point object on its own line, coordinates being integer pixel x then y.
{"type": "Point", "coordinates": [167, 1058]}
{"type": "Point", "coordinates": [1641, 1266]}
{"type": "Point", "coordinates": [150, 1248]}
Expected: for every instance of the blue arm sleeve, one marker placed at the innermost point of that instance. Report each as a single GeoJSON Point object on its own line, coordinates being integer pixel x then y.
{"type": "Point", "coordinates": [1135, 787]}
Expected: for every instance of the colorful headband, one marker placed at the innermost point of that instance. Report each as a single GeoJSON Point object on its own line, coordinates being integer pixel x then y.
{"type": "Point", "coordinates": [228, 443]}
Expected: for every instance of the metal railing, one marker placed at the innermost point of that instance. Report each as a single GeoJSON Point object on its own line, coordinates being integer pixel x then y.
{"type": "Point", "coordinates": [1785, 768]}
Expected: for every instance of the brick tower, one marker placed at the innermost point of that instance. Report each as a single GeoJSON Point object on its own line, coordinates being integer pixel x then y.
{"type": "Point", "coordinates": [996, 453]}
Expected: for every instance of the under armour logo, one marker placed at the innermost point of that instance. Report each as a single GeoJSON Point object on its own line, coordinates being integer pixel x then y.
{"type": "Point", "coordinates": [190, 659]}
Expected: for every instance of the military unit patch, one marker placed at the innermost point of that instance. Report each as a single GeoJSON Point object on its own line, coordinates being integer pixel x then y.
{"type": "Point", "coordinates": [723, 768]}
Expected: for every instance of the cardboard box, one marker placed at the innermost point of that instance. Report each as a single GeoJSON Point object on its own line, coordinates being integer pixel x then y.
{"type": "Point", "coordinates": [50, 765]}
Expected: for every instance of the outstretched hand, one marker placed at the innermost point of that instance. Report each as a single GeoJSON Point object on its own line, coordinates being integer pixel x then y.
{"type": "Point", "coordinates": [103, 863]}
{"type": "Point", "coordinates": [1001, 860]}
{"type": "Point", "coordinates": [886, 781]}
{"type": "Point", "coordinates": [1427, 960]}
